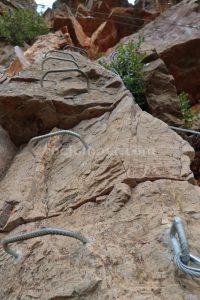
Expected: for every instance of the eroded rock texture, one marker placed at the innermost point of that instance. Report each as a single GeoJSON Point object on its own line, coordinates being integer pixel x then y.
{"type": "Point", "coordinates": [98, 25]}
{"type": "Point", "coordinates": [176, 37]}
{"type": "Point", "coordinates": [122, 193]}
{"type": "Point", "coordinates": [12, 4]}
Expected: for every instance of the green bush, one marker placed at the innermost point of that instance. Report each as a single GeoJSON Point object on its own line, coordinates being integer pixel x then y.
{"type": "Point", "coordinates": [187, 114]}
{"type": "Point", "coordinates": [21, 25]}
{"type": "Point", "coordinates": [127, 62]}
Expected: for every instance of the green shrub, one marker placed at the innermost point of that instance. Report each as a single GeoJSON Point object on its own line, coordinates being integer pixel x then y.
{"type": "Point", "coordinates": [127, 62]}
{"type": "Point", "coordinates": [187, 114]}
{"type": "Point", "coordinates": [21, 25]}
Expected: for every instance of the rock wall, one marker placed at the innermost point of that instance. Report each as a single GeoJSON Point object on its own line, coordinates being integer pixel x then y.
{"type": "Point", "coordinates": [12, 4]}
{"type": "Point", "coordinates": [175, 35]}
{"type": "Point", "coordinates": [122, 193]}
{"type": "Point", "coordinates": [99, 25]}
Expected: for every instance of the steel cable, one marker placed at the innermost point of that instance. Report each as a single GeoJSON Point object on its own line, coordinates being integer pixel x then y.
{"type": "Point", "coordinates": [185, 130]}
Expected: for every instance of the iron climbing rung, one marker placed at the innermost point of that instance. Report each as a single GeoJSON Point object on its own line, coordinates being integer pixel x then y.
{"type": "Point", "coordinates": [75, 48]}
{"type": "Point", "coordinates": [58, 58]}
{"type": "Point", "coordinates": [63, 71]}
{"type": "Point", "coordinates": [181, 249]}
{"type": "Point", "coordinates": [59, 51]}
{"type": "Point", "coordinates": [38, 233]}
{"type": "Point", "coordinates": [61, 132]}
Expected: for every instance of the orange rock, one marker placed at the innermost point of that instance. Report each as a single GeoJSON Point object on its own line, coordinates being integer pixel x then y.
{"type": "Point", "coordinates": [14, 68]}
{"type": "Point", "coordinates": [103, 38]}
{"type": "Point", "coordinates": [196, 109]}
{"type": "Point", "coordinates": [34, 53]}
{"type": "Point", "coordinates": [98, 25]}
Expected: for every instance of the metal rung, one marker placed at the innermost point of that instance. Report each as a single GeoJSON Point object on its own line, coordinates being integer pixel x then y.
{"type": "Point", "coordinates": [61, 132]}
{"type": "Point", "coordinates": [180, 247]}
{"type": "Point", "coordinates": [58, 58]}
{"type": "Point", "coordinates": [63, 71]}
{"type": "Point", "coordinates": [182, 253]}
{"type": "Point", "coordinates": [76, 48]}
{"type": "Point", "coordinates": [59, 51]}
{"type": "Point", "coordinates": [38, 233]}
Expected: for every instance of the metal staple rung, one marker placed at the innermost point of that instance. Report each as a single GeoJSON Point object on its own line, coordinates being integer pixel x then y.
{"type": "Point", "coordinates": [38, 233]}
{"type": "Point", "coordinates": [41, 137]}
{"type": "Point", "coordinates": [75, 48]}
{"type": "Point", "coordinates": [181, 249]}
{"type": "Point", "coordinates": [63, 71]}
{"type": "Point", "coordinates": [58, 58]}
{"type": "Point", "coordinates": [59, 51]}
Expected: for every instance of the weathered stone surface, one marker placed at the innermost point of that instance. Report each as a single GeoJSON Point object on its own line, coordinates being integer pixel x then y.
{"type": "Point", "coordinates": [34, 53]}
{"type": "Point", "coordinates": [120, 148]}
{"type": "Point", "coordinates": [122, 193]}
{"type": "Point", "coordinates": [176, 38]}
{"type": "Point", "coordinates": [98, 25]}
{"type": "Point", "coordinates": [6, 53]}
{"type": "Point", "coordinates": [160, 91]}
{"type": "Point", "coordinates": [129, 256]}
{"type": "Point", "coordinates": [61, 103]}
{"type": "Point", "coordinates": [155, 5]}
{"type": "Point", "coordinates": [7, 150]}
{"type": "Point", "coordinates": [13, 4]}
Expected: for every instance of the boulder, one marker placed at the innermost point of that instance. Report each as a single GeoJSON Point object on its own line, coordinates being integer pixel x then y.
{"type": "Point", "coordinates": [160, 91]}
{"type": "Point", "coordinates": [175, 36]}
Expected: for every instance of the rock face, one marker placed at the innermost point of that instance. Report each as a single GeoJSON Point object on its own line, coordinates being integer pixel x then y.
{"type": "Point", "coordinates": [42, 45]}
{"type": "Point", "coordinates": [122, 193]}
{"type": "Point", "coordinates": [12, 4]}
{"type": "Point", "coordinates": [160, 91]}
{"type": "Point", "coordinates": [176, 37]}
{"type": "Point", "coordinates": [155, 5]}
{"type": "Point", "coordinates": [6, 53]}
{"type": "Point", "coordinates": [7, 151]}
{"type": "Point", "coordinates": [97, 25]}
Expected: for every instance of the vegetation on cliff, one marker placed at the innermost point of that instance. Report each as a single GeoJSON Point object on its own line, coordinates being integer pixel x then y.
{"type": "Point", "coordinates": [186, 111]}
{"type": "Point", "coordinates": [21, 25]}
{"type": "Point", "coordinates": [128, 63]}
